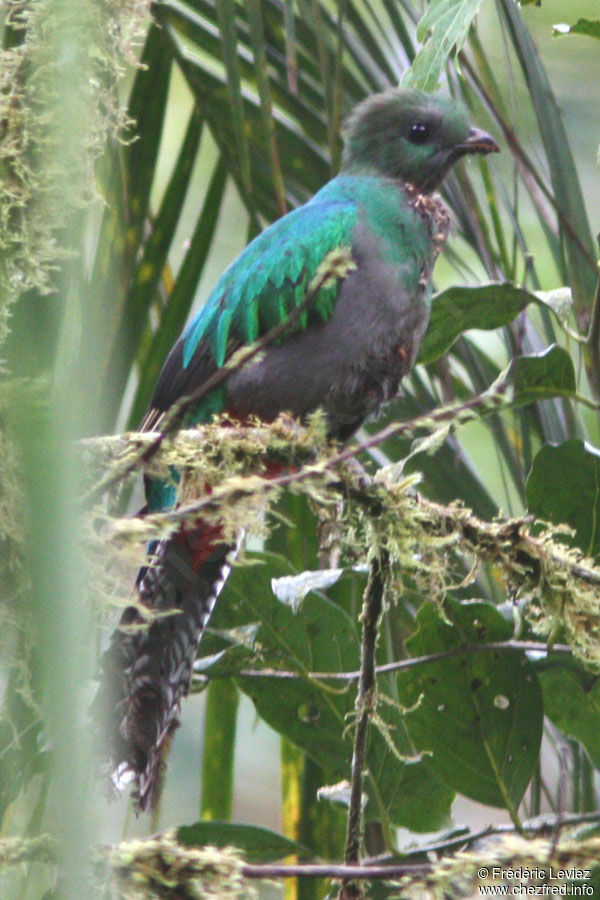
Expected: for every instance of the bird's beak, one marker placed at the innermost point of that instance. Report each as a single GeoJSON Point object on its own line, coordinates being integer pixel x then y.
{"type": "Point", "coordinates": [479, 141]}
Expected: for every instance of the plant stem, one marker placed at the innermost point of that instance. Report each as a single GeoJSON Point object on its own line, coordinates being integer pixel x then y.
{"type": "Point", "coordinates": [593, 341]}
{"type": "Point", "coordinates": [365, 703]}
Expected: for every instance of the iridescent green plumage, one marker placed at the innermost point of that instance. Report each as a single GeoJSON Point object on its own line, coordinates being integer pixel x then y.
{"type": "Point", "coordinates": [271, 276]}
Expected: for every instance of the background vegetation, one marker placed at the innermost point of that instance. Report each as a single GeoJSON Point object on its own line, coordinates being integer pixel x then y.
{"type": "Point", "coordinates": [126, 186]}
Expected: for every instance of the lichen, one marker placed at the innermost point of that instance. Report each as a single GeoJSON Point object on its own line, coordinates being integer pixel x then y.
{"type": "Point", "coordinates": [463, 874]}
{"type": "Point", "coordinates": [34, 207]}
{"type": "Point", "coordinates": [162, 868]}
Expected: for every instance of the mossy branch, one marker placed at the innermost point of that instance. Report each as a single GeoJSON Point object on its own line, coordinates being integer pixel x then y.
{"type": "Point", "coordinates": [423, 539]}
{"type": "Point", "coordinates": [161, 867]}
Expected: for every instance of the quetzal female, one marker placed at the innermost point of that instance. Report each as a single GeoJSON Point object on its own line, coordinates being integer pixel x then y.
{"type": "Point", "coordinates": [346, 354]}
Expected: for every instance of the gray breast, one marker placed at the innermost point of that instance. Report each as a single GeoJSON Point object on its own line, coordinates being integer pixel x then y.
{"type": "Point", "coordinates": [350, 364]}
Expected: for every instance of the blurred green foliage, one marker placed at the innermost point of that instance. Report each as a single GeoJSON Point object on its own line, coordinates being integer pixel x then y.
{"type": "Point", "coordinates": [110, 232]}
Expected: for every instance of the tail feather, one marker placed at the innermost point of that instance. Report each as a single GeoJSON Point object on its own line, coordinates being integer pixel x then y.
{"type": "Point", "coordinates": [147, 669]}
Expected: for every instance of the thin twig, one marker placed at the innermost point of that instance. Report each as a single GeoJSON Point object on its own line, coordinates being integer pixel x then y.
{"type": "Point", "coordinates": [413, 662]}
{"type": "Point", "coordinates": [365, 705]}
{"type": "Point", "coordinates": [540, 825]}
{"type": "Point", "coordinates": [331, 870]}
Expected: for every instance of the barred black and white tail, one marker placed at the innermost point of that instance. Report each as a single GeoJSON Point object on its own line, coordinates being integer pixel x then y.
{"type": "Point", "coordinates": [147, 669]}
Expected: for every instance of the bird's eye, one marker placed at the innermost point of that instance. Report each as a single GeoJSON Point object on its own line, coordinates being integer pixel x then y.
{"type": "Point", "coordinates": [418, 133]}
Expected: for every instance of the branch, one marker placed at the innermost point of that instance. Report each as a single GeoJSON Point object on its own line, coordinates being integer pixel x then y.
{"type": "Point", "coordinates": [424, 538]}
{"type": "Point", "coordinates": [344, 872]}
{"type": "Point", "coordinates": [137, 858]}
{"type": "Point", "coordinates": [365, 704]}
{"type": "Point", "coordinates": [17, 850]}
{"type": "Point", "coordinates": [378, 868]}
{"type": "Point", "coordinates": [159, 866]}
{"type": "Point", "coordinates": [411, 663]}
{"type": "Point", "coordinates": [126, 453]}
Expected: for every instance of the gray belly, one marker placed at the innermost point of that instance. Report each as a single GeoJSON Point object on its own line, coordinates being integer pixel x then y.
{"type": "Point", "coordinates": [349, 365]}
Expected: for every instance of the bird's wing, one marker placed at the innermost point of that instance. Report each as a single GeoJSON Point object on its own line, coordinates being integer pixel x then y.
{"type": "Point", "coordinates": [258, 291]}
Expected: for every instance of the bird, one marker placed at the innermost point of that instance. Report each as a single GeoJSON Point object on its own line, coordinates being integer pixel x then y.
{"type": "Point", "coordinates": [353, 336]}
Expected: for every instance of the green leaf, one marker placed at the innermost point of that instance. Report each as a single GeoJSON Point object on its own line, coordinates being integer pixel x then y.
{"type": "Point", "coordinates": [564, 487]}
{"type": "Point", "coordinates": [415, 795]}
{"type": "Point", "coordinates": [21, 744]}
{"type": "Point", "coordinates": [299, 543]}
{"type": "Point", "coordinates": [443, 29]}
{"type": "Point", "coordinates": [141, 292]}
{"type": "Point", "coordinates": [290, 45]}
{"type": "Point", "coordinates": [121, 235]}
{"type": "Point", "coordinates": [260, 64]}
{"type": "Point", "coordinates": [577, 238]}
{"type": "Point", "coordinates": [541, 376]}
{"type": "Point", "coordinates": [480, 714]}
{"type": "Point", "coordinates": [572, 703]}
{"type": "Point", "coordinates": [458, 309]}
{"type": "Point", "coordinates": [153, 354]}
{"type": "Point", "coordinates": [589, 27]}
{"type": "Point", "coordinates": [226, 10]}
{"type": "Point", "coordinates": [147, 109]}
{"type": "Point", "coordinates": [320, 637]}
{"type": "Point", "coordinates": [257, 844]}
{"type": "Point", "coordinates": [218, 747]}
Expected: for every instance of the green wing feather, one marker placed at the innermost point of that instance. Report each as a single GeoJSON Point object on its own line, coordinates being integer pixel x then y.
{"type": "Point", "coordinates": [272, 275]}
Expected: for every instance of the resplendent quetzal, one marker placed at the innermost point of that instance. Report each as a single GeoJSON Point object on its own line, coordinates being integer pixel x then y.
{"type": "Point", "coordinates": [347, 355]}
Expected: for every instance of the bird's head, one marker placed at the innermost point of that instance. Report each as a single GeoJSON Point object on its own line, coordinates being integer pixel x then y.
{"type": "Point", "coordinates": [411, 136]}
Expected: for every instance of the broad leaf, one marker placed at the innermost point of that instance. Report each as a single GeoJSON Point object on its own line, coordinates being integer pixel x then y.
{"type": "Point", "coordinates": [541, 376]}
{"type": "Point", "coordinates": [478, 714]}
{"type": "Point", "coordinates": [415, 795]}
{"type": "Point", "coordinates": [564, 487]}
{"type": "Point", "coordinates": [257, 844]}
{"type": "Point", "coordinates": [443, 29]}
{"type": "Point", "coordinates": [314, 714]}
{"type": "Point", "coordinates": [588, 27]}
{"type": "Point", "coordinates": [572, 703]}
{"type": "Point", "coordinates": [458, 309]}
{"type": "Point", "coordinates": [319, 637]}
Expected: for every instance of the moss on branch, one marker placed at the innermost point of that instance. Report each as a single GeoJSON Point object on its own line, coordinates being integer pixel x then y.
{"type": "Point", "coordinates": [426, 541]}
